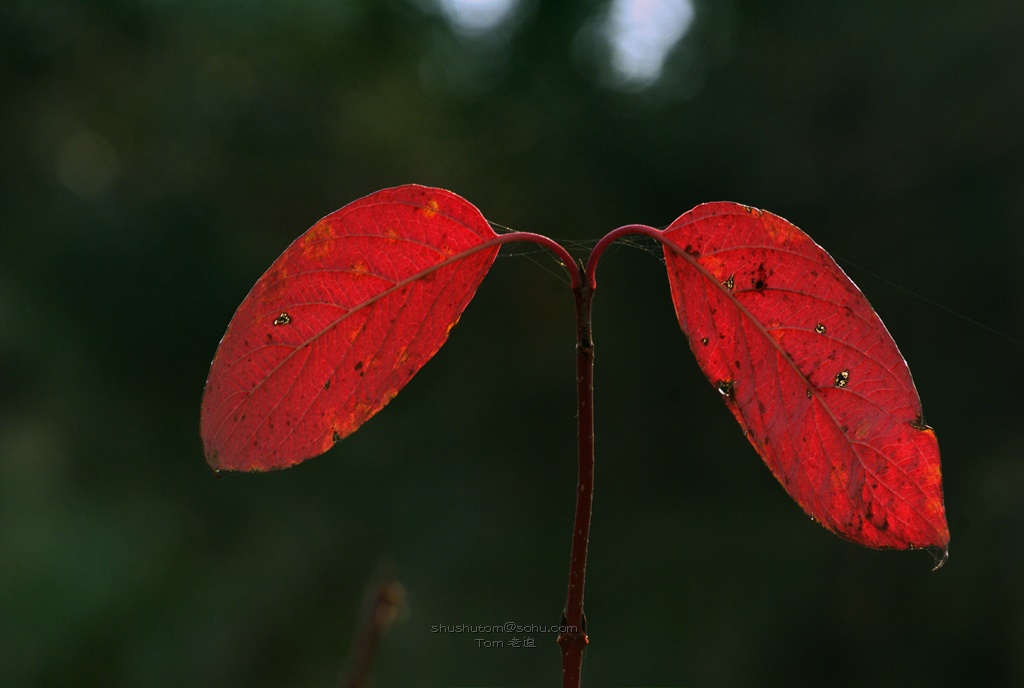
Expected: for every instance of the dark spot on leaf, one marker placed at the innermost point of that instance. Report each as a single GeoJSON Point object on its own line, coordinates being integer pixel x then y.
{"type": "Point", "coordinates": [359, 365]}
{"type": "Point", "coordinates": [283, 319]}
{"type": "Point", "coordinates": [730, 283]}
{"type": "Point", "coordinates": [335, 437]}
{"type": "Point", "coordinates": [842, 378]}
{"type": "Point", "coordinates": [726, 388]}
{"type": "Point", "coordinates": [819, 328]}
{"type": "Point", "coordinates": [761, 279]}
{"type": "Point", "coordinates": [692, 251]}
{"type": "Point", "coordinates": [327, 385]}
{"type": "Point", "coordinates": [919, 424]}
{"type": "Point", "coordinates": [704, 341]}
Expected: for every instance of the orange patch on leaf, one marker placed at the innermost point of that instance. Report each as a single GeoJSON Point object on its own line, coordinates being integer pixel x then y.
{"type": "Point", "coordinates": [430, 209]}
{"type": "Point", "coordinates": [273, 284]}
{"type": "Point", "coordinates": [316, 244]}
{"type": "Point", "coordinates": [403, 356]}
{"type": "Point", "coordinates": [714, 265]}
{"type": "Point", "coordinates": [775, 330]}
{"type": "Point", "coordinates": [330, 418]}
{"type": "Point", "coordinates": [838, 478]}
{"type": "Point", "coordinates": [783, 232]}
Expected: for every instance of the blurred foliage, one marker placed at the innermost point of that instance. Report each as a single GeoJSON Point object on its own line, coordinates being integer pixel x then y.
{"type": "Point", "coordinates": [158, 154]}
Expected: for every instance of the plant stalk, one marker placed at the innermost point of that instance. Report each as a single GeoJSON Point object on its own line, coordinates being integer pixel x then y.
{"type": "Point", "coordinates": [573, 640]}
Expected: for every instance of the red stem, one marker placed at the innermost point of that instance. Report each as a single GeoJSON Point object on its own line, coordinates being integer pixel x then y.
{"type": "Point", "coordinates": [611, 236]}
{"type": "Point", "coordinates": [575, 274]}
{"type": "Point", "coordinates": [573, 640]}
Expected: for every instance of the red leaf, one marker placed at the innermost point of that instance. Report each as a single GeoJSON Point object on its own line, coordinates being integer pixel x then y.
{"type": "Point", "coordinates": [810, 373]}
{"type": "Point", "coordinates": [340, 323]}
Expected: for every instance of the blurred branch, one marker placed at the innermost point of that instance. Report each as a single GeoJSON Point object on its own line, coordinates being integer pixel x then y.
{"type": "Point", "coordinates": [384, 604]}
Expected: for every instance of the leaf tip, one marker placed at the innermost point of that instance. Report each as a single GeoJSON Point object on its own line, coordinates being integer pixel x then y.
{"type": "Point", "coordinates": [213, 463]}
{"type": "Point", "coordinates": [941, 557]}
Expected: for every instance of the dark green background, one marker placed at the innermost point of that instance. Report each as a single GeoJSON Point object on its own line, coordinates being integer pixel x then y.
{"type": "Point", "coordinates": [157, 156]}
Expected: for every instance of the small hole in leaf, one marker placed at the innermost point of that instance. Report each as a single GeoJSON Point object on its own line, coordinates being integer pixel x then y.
{"type": "Point", "coordinates": [842, 378]}
{"type": "Point", "coordinates": [730, 283]}
{"type": "Point", "coordinates": [283, 319]}
{"type": "Point", "coordinates": [820, 328]}
{"type": "Point", "coordinates": [335, 437]}
{"type": "Point", "coordinates": [704, 341]}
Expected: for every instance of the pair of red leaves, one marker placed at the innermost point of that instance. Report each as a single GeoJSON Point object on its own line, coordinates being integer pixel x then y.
{"type": "Point", "coordinates": [348, 314]}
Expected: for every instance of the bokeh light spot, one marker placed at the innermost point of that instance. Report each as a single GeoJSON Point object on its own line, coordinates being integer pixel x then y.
{"type": "Point", "coordinates": [642, 32]}
{"type": "Point", "coordinates": [477, 16]}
